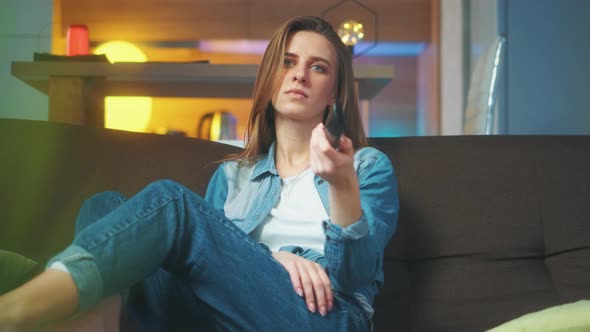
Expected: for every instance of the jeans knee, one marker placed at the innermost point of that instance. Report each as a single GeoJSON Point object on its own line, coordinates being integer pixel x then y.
{"type": "Point", "coordinates": [172, 189]}
{"type": "Point", "coordinates": [166, 186]}
{"type": "Point", "coordinates": [96, 207]}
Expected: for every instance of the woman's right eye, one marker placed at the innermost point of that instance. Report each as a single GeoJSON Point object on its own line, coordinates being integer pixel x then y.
{"type": "Point", "coordinates": [288, 62]}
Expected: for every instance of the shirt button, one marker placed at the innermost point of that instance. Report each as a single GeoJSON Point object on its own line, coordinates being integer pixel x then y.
{"type": "Point", "coordinates": [320, 181]}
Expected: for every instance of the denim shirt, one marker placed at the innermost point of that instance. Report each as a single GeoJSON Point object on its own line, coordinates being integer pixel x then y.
{"type": "Point", "coordinates": [353, 255]}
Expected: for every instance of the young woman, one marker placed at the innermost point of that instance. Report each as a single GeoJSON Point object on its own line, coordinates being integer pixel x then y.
{"type": "Point", "coordinates": [290, 235]}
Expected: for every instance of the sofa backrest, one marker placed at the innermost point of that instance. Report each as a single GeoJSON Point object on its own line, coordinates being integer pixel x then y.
{"type": "Point", "coordinates": [490, 228]}
{"type": "Point", "coordinates": [49, 169]}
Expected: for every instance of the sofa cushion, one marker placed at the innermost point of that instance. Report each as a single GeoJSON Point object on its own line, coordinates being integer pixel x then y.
{"type": "Point", "coordinates": [15, 270]}
{"type": "Point", "coordinates": [490, 228]}
{"type": "Point", "coordinates": [571, 317]}
{"type": "Point", "coordinates": [49, 169]}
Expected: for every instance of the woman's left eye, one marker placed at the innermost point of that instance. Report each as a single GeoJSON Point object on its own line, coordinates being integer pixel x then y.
{"type": "Point", "coordinates": [318, 68]}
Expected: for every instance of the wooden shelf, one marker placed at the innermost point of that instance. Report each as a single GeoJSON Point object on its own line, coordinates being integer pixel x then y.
{"type": "Point", "coordinates": [169, 79]}
{"type": "Point", "coordinates": [76, 90]}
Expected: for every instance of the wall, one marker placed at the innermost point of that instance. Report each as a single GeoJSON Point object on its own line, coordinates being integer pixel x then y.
{"type": "Point", "coordinates": [25, 28]}
{"type": "Point", "coordinates": [192, 20]}
{"type": "Point", "coordinates": [548, 77]}
{"type": "Point", "coordinates": [428, 79]}
{"type": "Point", "coordinates": [393, 109]}
{"type": "Point", "coordinates": [452, 66]}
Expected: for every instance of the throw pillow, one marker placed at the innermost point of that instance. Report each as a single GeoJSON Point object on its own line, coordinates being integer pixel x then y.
{"type": "Point", "coordinates": [571, 317]}
{"type": "Point", "coordinates": [15, 270]}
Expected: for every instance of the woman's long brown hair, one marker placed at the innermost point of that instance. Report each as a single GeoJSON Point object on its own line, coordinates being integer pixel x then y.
{"type": "Point", "coordinates": [260, 133]}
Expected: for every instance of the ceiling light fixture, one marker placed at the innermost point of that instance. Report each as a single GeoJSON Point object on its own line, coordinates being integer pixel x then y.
{"type": "Point", "coordinates": [351, 31]}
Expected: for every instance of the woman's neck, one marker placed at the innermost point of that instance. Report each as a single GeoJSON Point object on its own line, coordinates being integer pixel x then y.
{"type": "Point", "coordinates": [292, 148]}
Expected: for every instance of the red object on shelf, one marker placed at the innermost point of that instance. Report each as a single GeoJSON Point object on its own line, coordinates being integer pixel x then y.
{"type": "Point", "coordinates": [77, 40]}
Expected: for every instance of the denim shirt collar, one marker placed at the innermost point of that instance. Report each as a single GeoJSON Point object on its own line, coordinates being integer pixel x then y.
{"type": "Point", "coordinates": [266, 164]}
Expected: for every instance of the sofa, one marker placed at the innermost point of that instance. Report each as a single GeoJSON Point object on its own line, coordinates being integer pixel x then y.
{"type": "Point", "coordinates": [490, 227]}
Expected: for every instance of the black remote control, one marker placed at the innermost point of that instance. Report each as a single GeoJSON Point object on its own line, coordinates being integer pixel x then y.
{"type": "Point", "coordinates": [335, 125]}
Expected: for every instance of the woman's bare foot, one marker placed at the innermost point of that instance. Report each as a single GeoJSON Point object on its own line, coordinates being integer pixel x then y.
{"type": "Point", "coordinates": [50, 297]}
{"type": "Point", "coordinates": [103, 318]}
{"type": "Point", "coordinates": [11, 315]}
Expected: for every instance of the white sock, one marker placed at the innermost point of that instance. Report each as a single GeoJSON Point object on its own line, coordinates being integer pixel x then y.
{"type": "Point", "coordinates": [59, 266]}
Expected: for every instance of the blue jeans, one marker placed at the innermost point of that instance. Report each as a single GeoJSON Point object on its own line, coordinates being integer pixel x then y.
{"type": "Point", "coordinates": [185, 264]}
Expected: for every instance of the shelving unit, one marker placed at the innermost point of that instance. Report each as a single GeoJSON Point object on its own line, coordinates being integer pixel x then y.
{"type": "Point", "coordinates": [76, 90]}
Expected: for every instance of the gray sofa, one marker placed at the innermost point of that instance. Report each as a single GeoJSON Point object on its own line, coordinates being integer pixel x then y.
{"type": "Point", "coordinates": [490, 228]}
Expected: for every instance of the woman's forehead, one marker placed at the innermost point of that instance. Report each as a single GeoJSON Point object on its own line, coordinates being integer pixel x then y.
{"type": "Point", "coordinates": [311, 44]}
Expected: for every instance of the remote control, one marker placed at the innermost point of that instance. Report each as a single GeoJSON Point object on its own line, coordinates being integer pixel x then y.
{"type": "Point", "coordinates": [335, 125]}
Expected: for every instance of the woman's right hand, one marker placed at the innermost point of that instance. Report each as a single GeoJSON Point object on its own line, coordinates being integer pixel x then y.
{"type": "Point", "coordinates": [309, 279]}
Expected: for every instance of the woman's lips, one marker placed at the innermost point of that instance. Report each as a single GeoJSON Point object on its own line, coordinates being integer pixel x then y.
{"type": "Point", "coordinates": [297, 92]}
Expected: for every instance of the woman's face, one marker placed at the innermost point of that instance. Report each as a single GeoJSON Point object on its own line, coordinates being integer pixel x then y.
{"type": "Point", "coordinates": [308, 84]}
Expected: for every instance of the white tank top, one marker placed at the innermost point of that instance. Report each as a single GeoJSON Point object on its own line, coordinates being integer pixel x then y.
{"type": "Point", "coordinates": [297, 218]}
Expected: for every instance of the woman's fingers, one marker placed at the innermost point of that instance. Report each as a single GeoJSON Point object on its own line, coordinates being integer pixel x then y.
{"type": "Point", "coordinates": [296, 281]}
{"type": "Point", "coordinates": [322, 288]}
{"type": "Point", "coordinates": [309, 280]}
{"type": "Point", "coordinates": [317, 287]}
{"type": "Point", "coordinates": [346, 145]}
{"type": "Point", "coordinates": [308, 288]}
{"type": "Point", "coordinates": [287, 260]}
{"type": "Point", "coordinates": [330, 164]}
{"type": "Point", "coordinates": [325, 281]}
{"type": "Point", "coordinates": [321, 150]}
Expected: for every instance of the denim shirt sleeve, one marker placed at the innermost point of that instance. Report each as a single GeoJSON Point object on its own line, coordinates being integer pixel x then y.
{"type": "Point", "coordinates": [217, 189]}
{"type": "Point", "coordinates": [354, 253]}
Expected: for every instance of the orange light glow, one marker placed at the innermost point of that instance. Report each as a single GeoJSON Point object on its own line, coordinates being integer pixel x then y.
{"type": "Point", "coordinates": [125, 113]}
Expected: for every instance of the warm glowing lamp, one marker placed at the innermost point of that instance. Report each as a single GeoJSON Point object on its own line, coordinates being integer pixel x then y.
{"type": "Point", "coordinates": [351, 32]}
{"type": "Point", "coordinates": [216, 126]}
{"type": "Point", "coordinates": [125, 113]}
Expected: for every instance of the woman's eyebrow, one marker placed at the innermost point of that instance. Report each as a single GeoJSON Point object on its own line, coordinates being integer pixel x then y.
{"type": "Point", "coordinates": [291, 55]}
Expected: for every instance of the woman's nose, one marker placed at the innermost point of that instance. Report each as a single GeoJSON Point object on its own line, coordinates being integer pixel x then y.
{"type": "Point", "coordinates": [300, 76]}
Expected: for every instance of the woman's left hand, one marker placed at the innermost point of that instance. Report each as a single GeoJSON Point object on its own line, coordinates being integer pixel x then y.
{"type": "Point", "coordinates": [332, 165]}
{"type": "Point", "coordinates": [309, 279]}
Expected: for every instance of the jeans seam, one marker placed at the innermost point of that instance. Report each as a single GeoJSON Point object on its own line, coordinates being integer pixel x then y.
{"type": "Point", "coordinates": [355, 313]}
{"type": "Point", "coordinates": [247, 239]}
{"type": "Point", "coordinates": [241, 234]}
